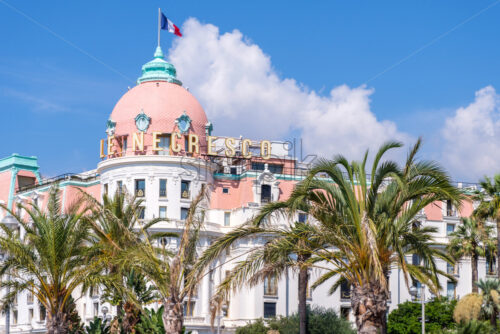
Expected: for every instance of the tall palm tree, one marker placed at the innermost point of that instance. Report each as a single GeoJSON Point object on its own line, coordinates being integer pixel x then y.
{"type": "Point", "coordinates": [289, 247]}
{"type": "Point", "coordinates": [490, 291]}
{"type": "Point", "coordinates": [47, 258]}
{"type": "Point", "coordinates": [490, 206]}
{"type": "Point", "coordinates": [116, 227]}
{"type": "Point", "coordinates": [371, 225]}
{"type": "Point", "coordinates": [168, 269]}
{"type": "Point", "coordinates": [469, 240]}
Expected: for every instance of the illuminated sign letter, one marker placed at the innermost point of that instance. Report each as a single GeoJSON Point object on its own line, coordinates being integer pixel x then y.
{"type": "Point", "coordinates": [230, 152]}
{"type": "Point", "coordinates": [210, 145]}
{"type": "Point", "coordinates": [265, 149]}
{"type": "Point", "coordinates": [244, 148]}
{"type": "Point", "coordinates": [102, 148]}
{"type": "Point", "coordinates": [176, 147]}
{"type": "Point", "coordinates": [156, 141]}
{"type": "Point", "coordinates": [193, 143]}
{"type": "Point", "coordinates": [111, 145]}
{"type": "Point", "coordinates": [138, 141]}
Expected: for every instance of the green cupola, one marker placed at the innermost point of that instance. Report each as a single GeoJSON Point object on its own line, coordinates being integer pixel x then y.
{"type": "Point", "coordinates": [158, 69]}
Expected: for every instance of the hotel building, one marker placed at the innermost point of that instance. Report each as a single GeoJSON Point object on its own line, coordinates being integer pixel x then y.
{"type": "Point", "coordinates": [158, 144]}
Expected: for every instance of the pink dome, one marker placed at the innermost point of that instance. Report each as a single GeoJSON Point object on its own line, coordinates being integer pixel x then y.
{"type": "Point", "coordinates": [163, 102]}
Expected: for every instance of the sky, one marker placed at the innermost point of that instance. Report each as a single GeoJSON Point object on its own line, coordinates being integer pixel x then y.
{"type": "Point", "coordinates": [340, 76]}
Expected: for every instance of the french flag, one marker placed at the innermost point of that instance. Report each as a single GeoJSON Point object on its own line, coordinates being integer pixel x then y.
{"type": "Point", "coordinates": [166, 24]}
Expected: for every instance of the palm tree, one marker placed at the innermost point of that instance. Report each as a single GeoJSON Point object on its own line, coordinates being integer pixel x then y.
{"type": "Point", "coordinates": [491, 299]}
{"type": "Point", "coordinates": [371, 225]}
{"type": "Point", "coordinates": [490, 206]}
{"type": "Point", "coordinates": [288, 247]}
{"type": "Point", "coordinates": [116, 227]}
{"type": "Point", "coordinates": [168, 269]}
{"type": "Point", "coordinates": [469, 240]}
{"type": "Point", "coordinates": [48, 258]}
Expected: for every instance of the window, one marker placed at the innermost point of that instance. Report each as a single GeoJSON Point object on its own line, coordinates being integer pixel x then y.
{"type": "Point", "coordinates": [164, 144]}
{"type": "Point", "coordinates": [188, 309]}
{"type": "Point", "coordinates": [42, 313]}
{"type": "Point", "coordinates": [94, 291]}
{"type": "Point", "coordinates": [227, 218]}
{"type": "Point", "coordinates": [105, 188]}
{"type": "Point", "coordinates": [184, 213]}
{"type": "Point", "coordinates": [119, 187]}
{"type": "Point", "coordinates": [163, 212]}
{"type": "Point", "coordinates": [234, 171]}
{"type": "Point", "coordinates": [140, 188]}
{"type": "Point", "coordinates": [269, 310]}
{"type": "Point", "coordinates": [302, 217]}
{"type": "Point", "coordinates": [345, 290]}
{"type": "Point", "coordinates": [450, 228]}
{"type": "Point", "coordinates": [29, 298]}
{"type": "Point", "coordinates": [270, 286]}
{"type": "Point", "coordinates": [30, 315]}
{"type": "Point", "coordinates": [450, 269]}
{"type": "Point", "coordinates": [344, 312]}
{"type": "Point", "coordinates": [25, 181]}
{"type": "Point", "coordinates": [225, 190]}
{"type": "Point", "coordinates": [96, 309]}
{"type": "Point", "coordinates": [185, 185]}
{"type": "Point", "coordinates": [14, 317]}
{"type": "Point", "coordinates": [450, 290]}
{"type": "Point", "coordinates": [124, 144]}
{"type": "Point", "coordinates": [142, 213]}
{"type": "Point", "coordinates": [491, 267]}
{"type": "Point", "coordinates": [450, 210]}
{"type": "Point", "coordinates": [163, 188]}
{"type": "Point", "coordinates": [265, 194]}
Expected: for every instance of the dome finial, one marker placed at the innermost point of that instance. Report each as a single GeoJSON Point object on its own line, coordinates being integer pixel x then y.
{"type": "Point", "coordinates": [159, 69]}
{"type": "Point", "coordinates": [158, 52]}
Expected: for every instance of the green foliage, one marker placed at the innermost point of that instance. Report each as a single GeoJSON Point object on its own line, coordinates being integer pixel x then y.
{"type": "Point", "coordinates": [136, 286]}
{"type": "Point", "coordinates": [405, 319]}
{"type": "Point", "coordinates": [474, 327]}
{"type": "Point", "coordinates": [151, 322]}
{"type": "Point", "coordinates": [321, 321]}
{"type": "Point", "coordinates": [256, 327]}
{"type": "Point", "coordinates": [97, 326]}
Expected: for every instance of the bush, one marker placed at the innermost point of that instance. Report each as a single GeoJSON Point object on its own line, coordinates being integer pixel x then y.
{"type": "Point", "coordinates": [321, 321]}
{"type": "Point", "coordinates": [406, 318]}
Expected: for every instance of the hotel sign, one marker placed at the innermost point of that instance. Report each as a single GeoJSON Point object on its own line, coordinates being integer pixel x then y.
{"type": "Point", "coordinates": [191, 140]}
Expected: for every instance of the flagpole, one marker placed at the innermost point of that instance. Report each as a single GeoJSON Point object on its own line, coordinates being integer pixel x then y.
{"type": "Point", "coordinates": [159, 25]}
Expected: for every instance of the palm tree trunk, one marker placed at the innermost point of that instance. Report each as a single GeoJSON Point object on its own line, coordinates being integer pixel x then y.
{"type": "Point", "coordinates": [369, 304]}
{"type": "Point", "coordinates": [474, 260]}
{"type": "Point", "coordinates": [303, 300]}
{"type": "Point", "coordinates": [57, 324]}
{"type": "Point", "coordinates": [493, 319]}
{"type": "Point", "coordinates": [498, 244]}
{"type": "Point", "coordinates": [173, 316]}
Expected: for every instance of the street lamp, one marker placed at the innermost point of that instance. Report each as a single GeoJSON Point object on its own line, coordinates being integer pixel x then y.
{"type": "Point", "coordinates": [414, 294]}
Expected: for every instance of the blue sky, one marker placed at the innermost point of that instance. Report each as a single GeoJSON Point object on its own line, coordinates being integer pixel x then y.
{"type": "Point", "coordinates": [55, 99]}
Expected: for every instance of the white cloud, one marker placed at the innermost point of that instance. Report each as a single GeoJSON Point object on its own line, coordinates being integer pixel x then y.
{"type": "Point", "coordinates": [242, 94]}
{"type": "Point", "coordinates": [472, 137]}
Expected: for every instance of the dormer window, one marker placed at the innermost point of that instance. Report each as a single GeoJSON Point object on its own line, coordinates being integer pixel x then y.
{"type": "Point", "coordinates": [265, 194]}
